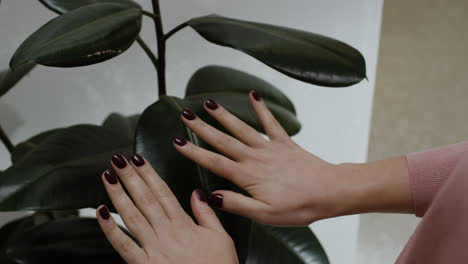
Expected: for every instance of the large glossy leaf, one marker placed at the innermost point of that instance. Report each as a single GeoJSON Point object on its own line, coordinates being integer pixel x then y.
{"type": "Point", "coordinates": [74, 241]}
{"type": "Point", "coordinates": [279, 245]}
{"type": "Point", "coordinates": [84, 36]}
{"type": "Point", "coordinates": [63, 171]}
{"type": "Point", "coordinates": [157, 126]}
{"type": "Point", "coordinates": [8, 79]}
{"type": "Point", "coordinates": [7, 233]}
{"type": "Point", "coordinates": [216, 79]}
{"type": "Point", "coordinates": [61, 6]}
{"type": "Point", "coordinates": [299, 54]}
{"type": "Point", "coordinates": [22, 149]}
{"type": "Point", "coordinates": [123, 125]}
{"type": "Point", "coordinates": [230, 88]}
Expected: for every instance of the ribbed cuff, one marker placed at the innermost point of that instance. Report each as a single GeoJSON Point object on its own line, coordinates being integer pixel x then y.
{"type": "Point", "coordinates": [429, 170]}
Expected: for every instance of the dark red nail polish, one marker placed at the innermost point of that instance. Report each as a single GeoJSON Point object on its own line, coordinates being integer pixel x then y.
{"type": "Point", "coordinates": [138, 160]}
{"type": "Point", "coordinates": [119, 161]}
{"type": "Point", "coordinates": [104, 212]}
{"type": "Point", "coordinates": [189, 115]}
{"type": "Point", "coordinates": [180, 141]}
{"type": "Point", "coordinates": [200, 195]}
{"type": "Point", "coordinates": [212, 105]}
{"type": "Point", "coordinates": [111, 176]}
{"type": "Point", "coordinates": [256, 95]}
{"type": "Point", "coordinates": [216, 200]}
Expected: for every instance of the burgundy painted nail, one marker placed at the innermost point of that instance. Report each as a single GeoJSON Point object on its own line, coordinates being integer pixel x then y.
{"type": "Point", "coordinates": [189, 115]}
{"type": "Point", "coordinates": [138, 160]}
{"type": "Point", "coordinates": [104, 212]}
{"type": "Point", "coordinates": [119, 161]}
{"type": "Point", "coordinates": [111, 176]}
{"type": "Point", "coordinates": [180, 141]}
{"type": "Point", "coordinates": [212, 105]}
{"type": "Point", "coordinates": [216, 200]}
{"type": "Point", "coordinates": [256, 95]}
{"type": "Point", "coordinates": [200, 195]}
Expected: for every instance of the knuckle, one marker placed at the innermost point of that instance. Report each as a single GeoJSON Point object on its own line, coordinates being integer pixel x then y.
{"type": "Point", "coordinates": [245, 130]}
{"type": "Point", "coordinates": [224, 115]}
{"type": "Point", "coordinates": [128, 173]}
{"type": "Point", "coordinates": [133, 220]}
{"type": "Point", "coordinates": [125, 245]}
{"type": "Point", "coordinates": [147, 199]}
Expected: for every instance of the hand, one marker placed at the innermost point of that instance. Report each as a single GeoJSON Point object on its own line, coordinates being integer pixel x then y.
{"type": "Point", "coordinates": [166, 233]}
{"type": "Point", "coordinates": [288, 185]}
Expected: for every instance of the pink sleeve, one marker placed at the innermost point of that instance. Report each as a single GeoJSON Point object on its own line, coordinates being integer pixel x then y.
{"type": "Point", "coordinates": [429, 170]}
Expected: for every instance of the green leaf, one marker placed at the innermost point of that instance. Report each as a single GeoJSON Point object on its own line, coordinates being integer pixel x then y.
{"type": "Point", "coordinates": [76, 240]}
{"type": "Point", "coordinates": [8, 79]}
{"type": "Point", "coordinates": [230, 88]}
{"type": "Point", "coordinates": [84, 36]}
{"type": "Point", "coordinates": [22, 149]}
{"type": "Point", "coordinates": [223, 80]}
{"type": "Point", "coordinates": [124, 125]}
{"type": "Point", "coordinates": [271, 245]}
{"type": "Point", "coordinates": [63, 172]}
{"type": "Point", "coordinates": [305, 56]}
{"type": "Point", "coordinates": [61, 6]}
{"type": "Point", "coordinates": [157, 126]}
{"type": "Point", "coordinates": [8, 231]}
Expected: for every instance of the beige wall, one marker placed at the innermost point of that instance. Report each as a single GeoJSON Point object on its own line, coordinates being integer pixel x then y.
{"type": "Point", "coordinates": [420, 100]}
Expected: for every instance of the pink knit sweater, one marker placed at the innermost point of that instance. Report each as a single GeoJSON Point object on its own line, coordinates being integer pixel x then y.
{"type": "Point", "coordinates": [439, 186]}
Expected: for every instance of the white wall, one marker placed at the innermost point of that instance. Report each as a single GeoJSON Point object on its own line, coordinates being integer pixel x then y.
{"type": "Point", "coordinates": [335, 121]}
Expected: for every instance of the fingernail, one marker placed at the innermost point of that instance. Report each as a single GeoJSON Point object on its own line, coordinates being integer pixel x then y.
{"type": "Point", "coordinates": [189, 115]}
{"type": "Point", "coordinates": [216, 200]}
{"type": "Point", "coordinates": [200, 195]}
{"type": "Point", "coordinates": [137, 160]}
{"type": "Point", "coordinates": [104, 212]}
{"type": "Point", "coordinates": [256, 95]}
{"type": "Point", "coordinates": [212, 105]}
{"type": "Point", "coordinates": [110, 176]}
{"type": "Point", "coordinates": [119, 161]}
{"type": "Point", "coordinates": [180, 141]}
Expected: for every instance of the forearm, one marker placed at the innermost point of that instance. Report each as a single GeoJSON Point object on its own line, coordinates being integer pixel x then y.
{"type": "Point", "coordinates": [380, 186]}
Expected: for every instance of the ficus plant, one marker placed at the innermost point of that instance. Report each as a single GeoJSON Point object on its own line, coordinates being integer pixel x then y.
{"type": "Point", "coordinates": [57, 172]}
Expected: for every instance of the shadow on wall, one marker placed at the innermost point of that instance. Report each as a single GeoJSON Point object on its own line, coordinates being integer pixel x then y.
{"type": "Point", "coordinates": [10, 118]}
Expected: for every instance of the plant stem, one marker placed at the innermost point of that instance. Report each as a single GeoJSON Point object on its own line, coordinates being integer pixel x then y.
{"type": "Point", "coordinates": [161, 48]}
{"type": "Point", "coordinates": [6, 141]}
{"type": "Point", "coordinates": [148, 52]}
{"type": "Point", "coordinates": [149, 14]}
{"type": "Point", "coordinates": [175, 30]}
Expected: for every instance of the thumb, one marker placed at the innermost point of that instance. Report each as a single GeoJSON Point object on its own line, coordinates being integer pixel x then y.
{"type": "Point", "coordinates": [205, 216]}
{"type": "Point", "coordinates": [239, 204]}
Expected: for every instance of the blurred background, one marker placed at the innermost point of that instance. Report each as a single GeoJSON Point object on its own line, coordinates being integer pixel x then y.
{"type": "Point", "coordinates": [413, 98]}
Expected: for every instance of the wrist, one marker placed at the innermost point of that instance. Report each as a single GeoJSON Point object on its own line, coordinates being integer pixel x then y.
{"type": "Point", "coordinates": [380, 186]}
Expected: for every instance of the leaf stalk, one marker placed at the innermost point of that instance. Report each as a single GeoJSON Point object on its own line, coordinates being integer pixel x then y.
{"type": "Point", "coordinates": [6, 140]}
{"type": "Point", "coordinates": [160, 38]}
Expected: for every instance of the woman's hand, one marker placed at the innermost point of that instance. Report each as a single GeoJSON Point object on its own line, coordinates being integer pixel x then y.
{"type": "Point", "coordinates": [288, 185]}
{"type": "Point", "coordinates": [166, 233]}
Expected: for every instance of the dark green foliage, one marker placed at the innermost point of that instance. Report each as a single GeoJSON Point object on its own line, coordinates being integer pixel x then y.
{"type": "Point", "coordinates": [60, 169]}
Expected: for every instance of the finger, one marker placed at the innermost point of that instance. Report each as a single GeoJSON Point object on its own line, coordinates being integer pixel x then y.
{"type": "Point", "coordinates": [272, 127]}
{"type": "Point", "coordinates": [124, 245]}
{"type": "Point", "coordinates": [159, 188]}
{"type": "Point", "coordinates": [227, 145]}
{"type": "Point", "coordinates": [133, 219]}
{"type": "Point", "coordinates": [237, 127]}
{"type": "Point", "coordinates": [205, 216]}
{"type": "Point", "coordinates": [239, 204]}
{"type": "Point", "coordinates": [216, 163]}
{"type": "Point", "coordinates": [141, 195]}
